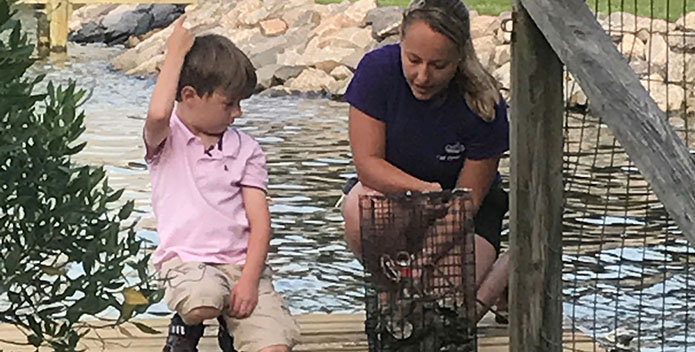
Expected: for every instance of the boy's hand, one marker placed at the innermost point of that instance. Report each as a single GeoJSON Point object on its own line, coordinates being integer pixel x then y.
{"type": "Point", "coordinates": [244, 298]}
{"type": "Point", "coordinates": [181, 40]}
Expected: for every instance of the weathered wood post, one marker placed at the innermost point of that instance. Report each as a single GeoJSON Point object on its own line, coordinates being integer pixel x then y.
{"type": "Point", "coordinates": [43, 38]}
{"type": "Point", "coordinates": [59, 14]}
{"type": "Point", "coordinates": [536, 190]}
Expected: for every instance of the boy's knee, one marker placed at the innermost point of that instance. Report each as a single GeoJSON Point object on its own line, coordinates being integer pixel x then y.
{"type": "Point", "coordinates": [276, 348]}
{"type": "Point", "coordinates": [200, 314]}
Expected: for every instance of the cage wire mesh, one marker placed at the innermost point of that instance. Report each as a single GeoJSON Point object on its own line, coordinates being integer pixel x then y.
{"type": "Point", "coordinates": [627, 275]}
{"type": "Point", "coordinates": [419, 260]}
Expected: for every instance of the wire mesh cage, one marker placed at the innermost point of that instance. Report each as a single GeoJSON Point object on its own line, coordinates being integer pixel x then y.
{"type": "Point", "coordinates": [418, 255]}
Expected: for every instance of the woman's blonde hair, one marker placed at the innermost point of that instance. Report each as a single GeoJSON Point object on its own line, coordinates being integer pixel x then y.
{"type": "Point", "coordinates": [451, 19]}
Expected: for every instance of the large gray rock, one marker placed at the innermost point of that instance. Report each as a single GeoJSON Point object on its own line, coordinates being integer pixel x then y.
{"type": "Point", "coordinates": [90, 32]}
{"type": "Point", "coordinates": [285, 73]}
{"type": "Point", "coordinates": [266, 76]}
{"type": "Point", "coordinates": [131, 23]}
{"type": "Point", "coordinates": [165, 14]}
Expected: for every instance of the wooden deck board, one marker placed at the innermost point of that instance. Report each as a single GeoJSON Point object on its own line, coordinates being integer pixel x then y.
{"type": "Point", "coordinates": [320, 332]}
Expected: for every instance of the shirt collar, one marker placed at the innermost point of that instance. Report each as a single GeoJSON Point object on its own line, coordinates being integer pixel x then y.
{"type": "Point", "coordinates": [229, 143]}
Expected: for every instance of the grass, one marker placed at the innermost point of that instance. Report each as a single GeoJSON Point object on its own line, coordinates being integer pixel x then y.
{"type": "Point", "coordinates": [647, 8]}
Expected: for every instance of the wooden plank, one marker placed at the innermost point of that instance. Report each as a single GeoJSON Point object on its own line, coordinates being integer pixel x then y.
{"type": "Point", "coordinates": [616, 94]}
{"type": "Point", "coordinates": [536, 190]}
{"type": "Point", "coordinates": [320, 333]}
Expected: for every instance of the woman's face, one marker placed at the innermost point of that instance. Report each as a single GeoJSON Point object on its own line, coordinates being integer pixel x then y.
{"type": "Point", "coordinates": [429, 60]}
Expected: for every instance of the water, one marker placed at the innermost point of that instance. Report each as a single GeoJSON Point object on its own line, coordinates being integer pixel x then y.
{"type": "Point", "coordinates": [625, 263]}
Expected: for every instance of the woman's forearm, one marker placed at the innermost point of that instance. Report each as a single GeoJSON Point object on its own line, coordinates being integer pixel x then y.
{"type": "Point", "coordinates": [382, 176]}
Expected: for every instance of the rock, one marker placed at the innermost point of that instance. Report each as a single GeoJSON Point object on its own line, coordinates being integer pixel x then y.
{"type": "Point", "coordinates": [132, 42]}
{"type": "Point", "coordinates": [659, 92]}
{"type": "Point", "coordinates": [326, 65]}
{"type": "Point", "coordinates": [285, 73]}
{"type": "Point", "coordinates": [131, 23]}
{"type": "Point", "coordinates": [503, 75]}
{"type": "Point", "coordinates": [351, 37]}
{"type": "Point", "coordinates": [385, 21]}
{"type": "Point", "coordinates": [89, 13]}
{"type": "Point", "coordinates": [682, 42]}
{"type": "Point", "coordinates": [357, 12]}
{"type": "Point", "coordinates": [90, 32]}
{"type": "Point", "coordinates": [503, 54]}
{"type": "Point", "coordinates": [337, 88]}
{"type": "Point", "coordinates": [312, 79]}
{"type": "Point", "coordinates": [273, 27]}
{"type": "Point", "coordinates": [315, 53]}
{"type": "Point", "coordinates": [484, 26]}
{"type": "Point", "coordinates": [267, 57]}
{"type": "Point", "coordinates": [657, 50]}
{"type": "Point", "coordinates": [632, 46]}
{"type": "Point", "coordinates": [302, 16]}
{"type": "Point", "coordinates": [681, 67]}
{"type": "Point", "coordinates": [254, 17]}
{"type": "Point", "coordinates": [331, 24]}
{"type": "Point", "coordinates": [113, 17]}
{"type": "Point", "coordinates": [165, 14]}
{"type": "Point", "coordinates": [266, 76]}
{"type": "Point", "coordinates": [686, 22]}
{"type": "Point", "coordinates": [641, 67]}
{"type": "Point", "coordinates": [485, 49]}
{"type": "Point", "coordinates": [643, 34]}
{"type": "Point", "coordinates": [341, 73]}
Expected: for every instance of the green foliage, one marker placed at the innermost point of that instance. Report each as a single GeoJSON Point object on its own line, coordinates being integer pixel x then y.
{"type": "Point", "coordinates": [66, 248]}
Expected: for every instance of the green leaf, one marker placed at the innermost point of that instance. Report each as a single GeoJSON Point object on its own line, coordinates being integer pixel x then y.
{"type": "Point", "coordinates": [144, 328]}
{"type": "Point", "coordinates": [126, 210]}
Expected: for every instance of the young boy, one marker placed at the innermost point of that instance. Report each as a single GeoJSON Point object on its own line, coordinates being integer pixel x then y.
{"type": "Point", "coordinates": [209, 196]}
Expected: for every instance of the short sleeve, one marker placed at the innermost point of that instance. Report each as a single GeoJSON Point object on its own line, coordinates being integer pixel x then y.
{"type": "Point", "coordinates": [255, 171]}
{"type": "Point", "coordinates": [491, 137]}
{"type": "Point", "coordinates": [153, 154]}
{"type": "Point", "coordinates": [369, 84]}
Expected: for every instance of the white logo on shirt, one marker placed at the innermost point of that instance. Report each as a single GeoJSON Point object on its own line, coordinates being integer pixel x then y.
{"type": "Point", "coordinates": [452, 152]}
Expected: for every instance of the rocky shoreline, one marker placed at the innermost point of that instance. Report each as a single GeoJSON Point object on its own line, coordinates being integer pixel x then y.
{"type": "Point", "coordinates": [300, 47]}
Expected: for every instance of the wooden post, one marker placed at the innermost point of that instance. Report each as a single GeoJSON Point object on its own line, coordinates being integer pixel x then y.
{"type": "Point", "coordinates": [43, 40]}
{"type": "Point", "coordinates": [59, 14]}
{"type": "Point", "coordinates": [536, 190]}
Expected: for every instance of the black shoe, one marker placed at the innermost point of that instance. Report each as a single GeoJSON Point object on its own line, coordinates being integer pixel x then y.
{"type": "Point", "coordinates": [182, 337]}
{"type": "Point", "coordinates": [225, 340]}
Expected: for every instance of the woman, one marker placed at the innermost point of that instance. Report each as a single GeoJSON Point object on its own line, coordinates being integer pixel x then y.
{"type": "Point", "coordinates": [426, 116]}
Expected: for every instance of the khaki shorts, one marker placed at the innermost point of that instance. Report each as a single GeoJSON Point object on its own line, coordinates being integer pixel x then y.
{"type": "Point", "coordinates": [194, 284]}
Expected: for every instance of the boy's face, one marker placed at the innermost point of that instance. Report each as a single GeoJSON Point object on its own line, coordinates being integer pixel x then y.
{"type": "Point", "coordinates": [212, 113]}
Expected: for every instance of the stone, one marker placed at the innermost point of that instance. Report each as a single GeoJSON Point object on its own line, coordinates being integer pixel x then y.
{"type": "Point", "coordinates": [385, 21]}
{"type": "Point", "coordinates": [485, 49]}
{"type": "Point", "coordinates": [266, 76]}
{"type": "Point", "coordinates": [285, 73]}
{"type": "Point", "coordinates": [484, 25]}
{"type": "Point", "coordinates": [165, 14]}
{"type": "Point", "coordinates": [357, 12]}
{"type": "Point", "coordinates": [681, 41]}
{"type": "Point", "coordinates": [131, 23]}
{"type": "Point", "coordinates": [91, 32]}
{"type": "Point", "coordinates": [254, 17]}
{"type": "Point", "coordinates": [631, 46]}
{"type": "Point", "coordinates": [312, 79]}
{"type": "Point", "coordinates": [503, 75]}
{"type": "Point", "coordinates": [341, 72]}
{"type": "Point", "coordinates": [660, 91]}
{"type": "Point", "coordinates": [273, 27]}
{"type": "Point", "coordinates": [657, 50]}
{"type": "Point", "coordinates": [503, 54]}
{"type": "Point", "coordinates": [686, 22]}
{"type": "Point", "coordinates": [89, 13]}
{"type": "Point", "coordinates": [681, 67]}
{"type": "Point", "coordinates": [132, 42]}
{"type": "Point", "coordinates": [114, 16]}
{"type": "Point", "coordinates": [331, 24]}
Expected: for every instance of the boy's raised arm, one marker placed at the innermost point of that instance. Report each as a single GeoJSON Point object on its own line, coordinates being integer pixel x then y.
{"type": "Point", "coordinates": [164, 94]}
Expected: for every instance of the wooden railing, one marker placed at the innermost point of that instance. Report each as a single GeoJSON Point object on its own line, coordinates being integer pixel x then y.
{"type": "Point", "coordinates": [58, 14]}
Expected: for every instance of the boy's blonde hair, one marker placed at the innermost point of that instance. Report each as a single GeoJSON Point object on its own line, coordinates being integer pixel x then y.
{"type": "Point", "coordinates": [215, 63]}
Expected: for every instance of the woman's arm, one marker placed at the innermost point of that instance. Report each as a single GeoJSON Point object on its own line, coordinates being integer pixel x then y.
{"type": "Point", "coordinates": [478, 175]}
{"type": "Point", "coordinates": [368, 143]}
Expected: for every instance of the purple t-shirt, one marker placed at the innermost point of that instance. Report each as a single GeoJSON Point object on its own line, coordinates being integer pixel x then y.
{"type": "Point", "coordinates": [426, 141]}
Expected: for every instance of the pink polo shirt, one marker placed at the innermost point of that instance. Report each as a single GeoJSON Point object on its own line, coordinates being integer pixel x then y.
{"type": "Point", "coordinates": [196, 195]}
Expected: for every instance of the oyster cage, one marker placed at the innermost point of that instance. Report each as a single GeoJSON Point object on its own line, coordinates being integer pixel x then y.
{"type": "Point", "coordinates": [418, 251]}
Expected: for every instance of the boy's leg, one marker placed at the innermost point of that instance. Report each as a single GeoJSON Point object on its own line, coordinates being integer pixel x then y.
{"type": "Point", "coordinates": [270, 328]}
{"type": "Point", "coordinates": [197, 292]}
